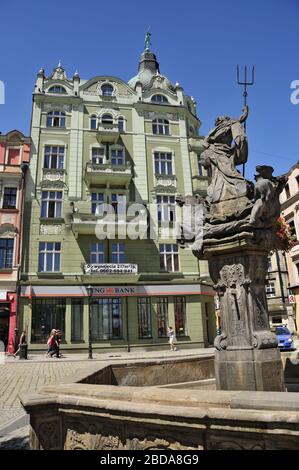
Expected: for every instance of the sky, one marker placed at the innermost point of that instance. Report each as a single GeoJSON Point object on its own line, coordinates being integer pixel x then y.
{"type": "Point", "coordinates": [197, 42]}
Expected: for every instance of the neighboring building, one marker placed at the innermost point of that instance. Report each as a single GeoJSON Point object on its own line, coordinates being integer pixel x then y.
{"type": "Point", "coordinates": [107, 141]}
{"type": "Point", "coordinates": [289, 210]}
{"type": "Point", "coordinates": [14, 160]}
{"type": "Point", "coordinates": [277, 283]}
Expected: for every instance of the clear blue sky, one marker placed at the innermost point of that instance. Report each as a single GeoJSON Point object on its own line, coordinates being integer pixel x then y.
{"type": "Point", "coordinates": [197, 42]}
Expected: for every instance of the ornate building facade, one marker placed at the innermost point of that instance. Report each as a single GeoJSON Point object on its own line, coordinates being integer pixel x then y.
{"type": "Point", "coordinates": [104, 142]}
{"type": "Point", "coordinates": [14, 160]}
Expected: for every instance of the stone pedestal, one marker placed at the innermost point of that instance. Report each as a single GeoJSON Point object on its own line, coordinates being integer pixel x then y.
{"type": "Point", "coordinates": [247, 356]}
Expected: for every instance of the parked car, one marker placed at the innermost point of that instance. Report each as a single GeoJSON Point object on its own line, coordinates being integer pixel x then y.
{"type": "Point", "coordinates": [284, 338]}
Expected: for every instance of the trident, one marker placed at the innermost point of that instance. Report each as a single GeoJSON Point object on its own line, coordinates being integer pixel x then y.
{"type": "Point", "coordinates": [245, 84]}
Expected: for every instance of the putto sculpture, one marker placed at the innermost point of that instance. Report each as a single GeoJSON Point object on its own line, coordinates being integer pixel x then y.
{"type": "Point", "coordinates": [235, 228]}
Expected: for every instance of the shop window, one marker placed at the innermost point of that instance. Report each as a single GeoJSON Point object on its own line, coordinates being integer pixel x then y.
{"type": "Point", "coordinates": [180, 315]}
{"type": "Point", "coordinates": [46, 315]}
{"type": "Point", "coordinates": [77, 320]}
{"type": "Point", "coordinates": [106, 318]}
{"type": "Point", "coordinates": [162, 316]}
{"type": "Point", "coordinates": [144, 317]}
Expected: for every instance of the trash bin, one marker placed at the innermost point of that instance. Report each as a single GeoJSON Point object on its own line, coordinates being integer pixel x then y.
{"type": "Point", "coordinates": [23, 351]}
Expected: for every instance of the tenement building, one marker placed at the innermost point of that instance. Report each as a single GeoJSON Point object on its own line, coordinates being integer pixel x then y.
{"type": "Point", "coordinates": [105, 154]}
{"type": "Point", "coordinates": [14, 160]}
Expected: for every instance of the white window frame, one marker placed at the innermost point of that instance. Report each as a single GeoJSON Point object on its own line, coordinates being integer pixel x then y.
{"type": "Point", "coordinates": [12, 185]}
{"type": "Point", "coordinates": [165, 208]}
{"type": "Point", "coordinates": [118, 252]}
{"type": "Point", "coordinates": [117, 149]}
{"type": "Point", "coordinates": [98, 253]}
{"type": "Point", "coordinates": [163, 253]}
{"type": "Point", "coordinates": [62, 115]}
{"type": "Point", "coordinates": [97, 202]}
{"type": "Point", "coordinates": [93, 116]}
{"type": "Point", "coordinates": [53, 252]}
{"type": "Point", "coordinates": [98, 147]}
{"type": "Point", "coordinates": [160, 161]}
{"type": "Point", "coordinates": [57, 92]}
{"type": "Point", "coordinates": [58, 153]}
{"type": "Point", "coordinates": [124, 123]}
{"type": "Point", "coordinates": [161, 124]}
{"type": "Point", "coordinates": [56, 200]}
{"type": "Point", "coordinates": [270, 289]}
{"type": "Point", "coordinates": [13, 251]}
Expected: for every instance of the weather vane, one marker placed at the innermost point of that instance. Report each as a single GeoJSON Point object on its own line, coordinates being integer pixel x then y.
{"type": "Point", "coordinates": [245, 84]}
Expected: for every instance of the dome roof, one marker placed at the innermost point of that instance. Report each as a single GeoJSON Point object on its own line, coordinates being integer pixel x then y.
{"type": "Point", "coordinates": [149, 74]}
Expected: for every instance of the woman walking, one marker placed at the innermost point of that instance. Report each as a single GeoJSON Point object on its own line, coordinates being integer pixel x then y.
{"type": "Point", "coordinates": [172, 338]}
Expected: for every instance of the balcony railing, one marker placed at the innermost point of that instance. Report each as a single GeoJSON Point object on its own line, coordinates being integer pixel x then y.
{"type": "Point", "coordinates": [104, 173]}
{"type": "Point", "coordinates": [107, 132]}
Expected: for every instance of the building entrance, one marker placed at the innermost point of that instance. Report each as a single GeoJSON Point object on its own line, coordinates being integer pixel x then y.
{"type": "Point", "coordinates": [4, 323]}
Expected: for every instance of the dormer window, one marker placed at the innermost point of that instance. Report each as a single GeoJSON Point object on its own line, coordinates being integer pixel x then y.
{"type": "Point", "coordinates": [107, 90]}
{"type": "Point", "coordinates": [159, 99]}
{"type": "Point", "coordinates": [161, 126]}
{"type": "Point", "coordinates": [93, 122]}
{"type": "Point", "coordinates": [107, 119]}
{"type": "Point", "coordinates": [57, 89]}
{"type": "Point", "coordinates": [56, 119]}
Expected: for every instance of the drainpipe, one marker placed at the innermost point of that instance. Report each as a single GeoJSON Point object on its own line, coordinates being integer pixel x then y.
{"type": "Point", "coordinates": [127, 324]}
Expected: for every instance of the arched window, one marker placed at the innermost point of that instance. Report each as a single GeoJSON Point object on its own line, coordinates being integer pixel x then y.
{"type": "Point", "coordinates": [107, 119]}
{"type": "Point", "coordinates": [159, 99]}
{"type": "Point", "coordinates": [56, 119]}
{"type": "Point", "coordinates": [161, 126]}
{"type": "Point", "coordinates": [121, 124]}
{"type": "Point", "coordinates": [57, 89]}
{"type": "Point", "coordinates": [93, 122]}
{"type": "Point", "coordinates": [107, 90]}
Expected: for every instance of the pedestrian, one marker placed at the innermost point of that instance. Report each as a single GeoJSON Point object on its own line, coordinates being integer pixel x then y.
{"type": "Point", "coordinates": [51, 343]}
{"type": "Point", "coordinates": [55, 344]}
{"type": "Point", "coordinates": [16, 340]}
{"type": "Point", "coordinates": [172, 338]}
{"type": "Point", "coordinates": [22, 340]}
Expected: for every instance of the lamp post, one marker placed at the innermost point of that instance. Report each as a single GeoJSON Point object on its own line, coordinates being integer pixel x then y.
{"type": "Point", "coordinates": [89, 293]}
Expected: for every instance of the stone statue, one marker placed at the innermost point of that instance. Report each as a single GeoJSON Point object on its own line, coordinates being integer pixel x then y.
{"type": "Point", "coordinates": [235, 229]}
{"type": "Point", "coordinates": [229, 192]}
{"type": "Point", "coordinates": [147, 41]}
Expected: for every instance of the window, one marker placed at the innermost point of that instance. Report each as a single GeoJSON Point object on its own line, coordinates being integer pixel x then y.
{"type": "Point", "coordinates": [56, 119]}
{"type": "Point", "coordinates": [93, 122]}
{"type": "Point", "coordinates": [97, 155]}
{"type": "Point", "coordinates": [54, 157]}
{"type": "Point", "coordinates": [121, 124]}
{"type": "Point", "coordinates": [287, 190]}
{"type": "Point", "coordinates": [57, 89]}
{"type": "Point", "coordinates": [117, 157]}
{"type": "Point", "coordinates": [169, 257]}
{"type": "Point", "coordinates": [10, 198]}
{"type": "Point", "coordinates": [270, 289]}
{"type": "Point", "coordinates": [107, 119]}
{"type": "Point", "coordinates": [159, 99]}
{"type": "Point", "coordinates": [13, 156]}
{"type": "Point", "coordinates": [46, 315]}
{"type": "Point", "coordinates": [107, 90]}
{"type": "Point", "coordinates": [6, 252]}
{"type": "Point", "coordinates": [97, 253]}
{"type": "Point", "coordinates": [51, 204]}
{"type": "Point", "coordinates": [166, 208]}
{"type": "Point", "coordinates": [162, 316]}
{"type": "Point", "coordinates": [118, 202]}
{"type": "Point", "coordinates": [118, 253]}
{"type": "Point", "coordinates": [49, 257]}
{"type": "Point", "coordinates": [180, 315]}
{"type": "Point", "coordinates": [270, 268]}
{"type": "Point", "coordinates": [106, 319]}
{"type": "Point", "coordinates": [96, 200]}
{"type": "Point", "coordinates": [77, 320]}
{"type": "Point", "coordinates": [292, 228]}
{"type": "Point", "coordinates": [144, 317]}
{"type": "Point", "coordinates": [199, 166]}
{"type": "Point", "coordinates": [163, 163]}
{"type": "Point", "coordinates": [161, 126]}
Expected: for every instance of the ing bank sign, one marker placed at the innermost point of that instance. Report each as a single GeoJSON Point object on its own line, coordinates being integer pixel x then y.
{"type": "Point", "coordinates": [117, 290]}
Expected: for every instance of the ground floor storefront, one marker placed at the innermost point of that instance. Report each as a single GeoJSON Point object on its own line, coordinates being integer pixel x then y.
{"type": "Point", "coordinates": [8, 311]}
{"type": "Point", "coordinates": [121, 317]}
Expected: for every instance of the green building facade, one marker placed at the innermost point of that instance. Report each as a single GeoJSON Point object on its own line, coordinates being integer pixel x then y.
{"type": "Point", "coordinates": [105, 142]}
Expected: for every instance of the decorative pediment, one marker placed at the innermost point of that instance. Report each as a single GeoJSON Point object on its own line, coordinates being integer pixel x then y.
{"type": "Point", "coordinates": [55, 184]}
{"type": "Point", "coordinates": [8, 231]}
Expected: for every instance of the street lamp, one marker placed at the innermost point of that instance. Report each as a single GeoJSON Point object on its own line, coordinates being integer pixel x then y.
{"type": "Point", "coordinates": [89, 293]}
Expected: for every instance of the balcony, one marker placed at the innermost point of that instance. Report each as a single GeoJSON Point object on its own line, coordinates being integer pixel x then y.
{"type": "Point", "coordinates": [196, 144]}
{"type": "Point", "coordinates": [109, 226]}
{"type": "Point", "coordinates": [107, 173]}
{"type": "Point", "coordinates": [165, 183]}
{"type": "Point", "coordinates": [200, 184]}
{"type": "Point", "coordinates": [111, 272]}
{"type": "Point", "coordinates": [108, 132]}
